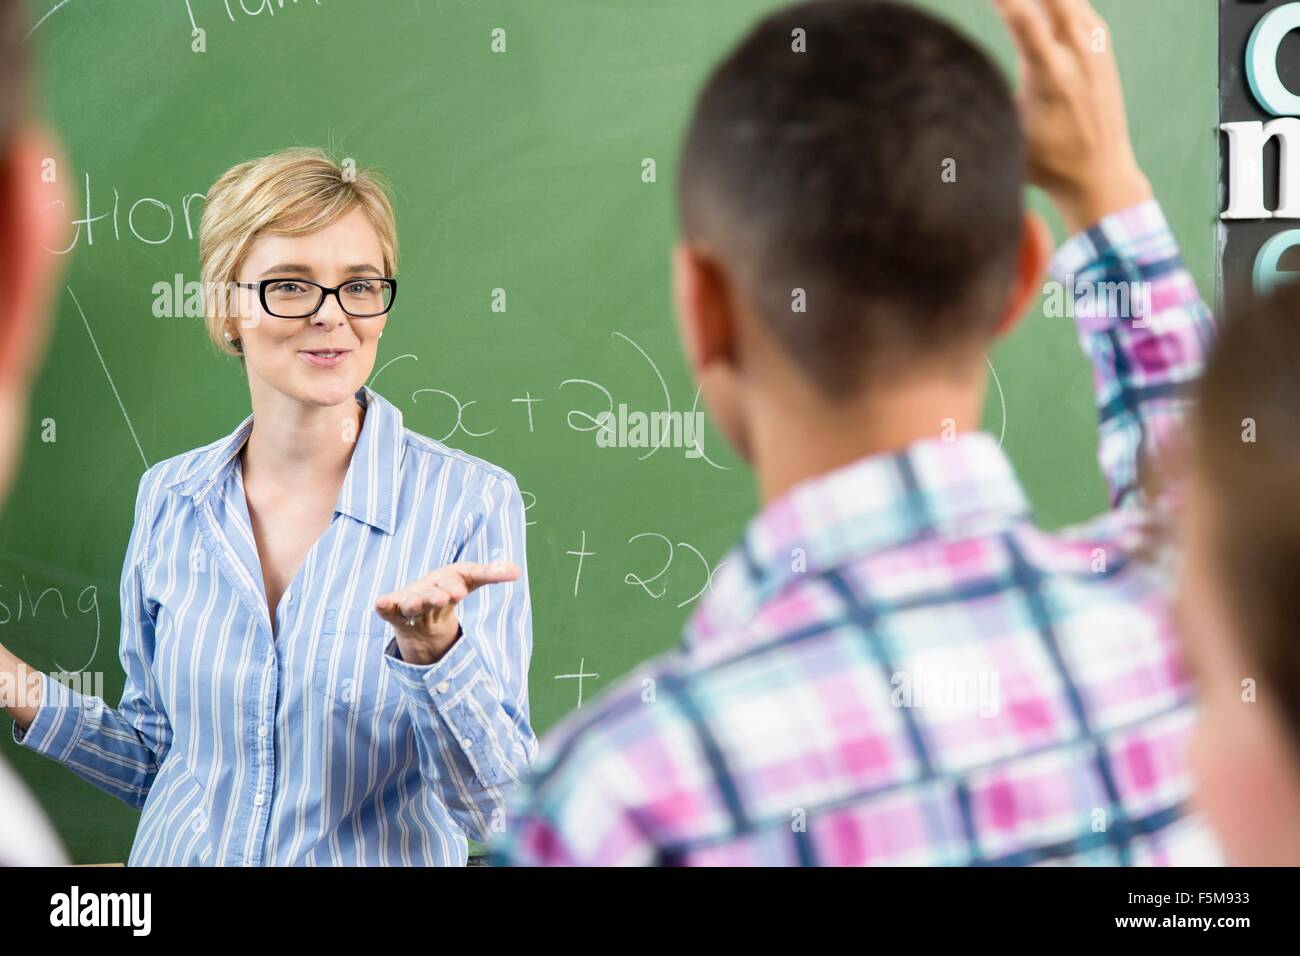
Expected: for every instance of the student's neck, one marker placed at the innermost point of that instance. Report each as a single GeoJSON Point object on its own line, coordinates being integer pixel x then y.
{"type": "Point", "coordinates": [798, 435]}
{"type": "Point", "coordinates": [292, 440]}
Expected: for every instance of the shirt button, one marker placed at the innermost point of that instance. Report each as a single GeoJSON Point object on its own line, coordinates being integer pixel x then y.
{"type": "Point", "coordinates": [258, 800]}
{"type": "Point", "coordinates": [443, 687]}
{"type": "Point", "coordinates": [261, 730]}
{"type": "Point", "coordinates": [466, 743]}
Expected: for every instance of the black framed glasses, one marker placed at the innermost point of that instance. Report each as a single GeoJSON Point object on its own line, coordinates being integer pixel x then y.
{"type": "Point", "coordinates": [362, 298]}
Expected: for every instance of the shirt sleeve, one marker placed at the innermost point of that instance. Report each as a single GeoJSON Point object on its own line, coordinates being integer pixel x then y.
{"type": "Point", "coordinates": [470, 708]}
{"type": "Point", "coordinates": [586, 826]}
{"type": "Point", "coordinates": [1147, 333]}
{"type": "Point", "coordinates": [118, 750]}
{"type": "Point", "coordinates": [584, 804]}
{"type": "Point", "coordinates": [617, 783]}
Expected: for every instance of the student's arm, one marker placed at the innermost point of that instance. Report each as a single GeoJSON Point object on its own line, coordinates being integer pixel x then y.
{"type": "Point", "coordinates": [571, 818]}
{"type": "Point", "coordinates": [470, 706]}
{"type": "Point", "coordinates": [1144, 360]}
{"type": "Point", "coordinates": [118, 750]}
{"type": "Point", "coordinates": [1139, 317]}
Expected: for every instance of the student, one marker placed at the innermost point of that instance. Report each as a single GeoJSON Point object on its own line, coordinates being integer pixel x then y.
{"type": "Point", "coordinates": [877, 179]}
{"type": "Point", "coordinates": [29, 225]}
{"type": "Point", "coordinates": [270, 716]}
{"type": "Point", "coordinates": [1239, 603]}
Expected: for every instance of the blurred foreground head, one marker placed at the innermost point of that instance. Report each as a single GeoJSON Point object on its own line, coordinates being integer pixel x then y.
{"type": "Point", "coordinates": [32, 221]}
{"type": "Point", "coordinates": [1240, 591]}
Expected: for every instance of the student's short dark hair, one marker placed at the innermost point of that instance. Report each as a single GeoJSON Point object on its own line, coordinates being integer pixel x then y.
{"type": "Point", "coordinates": [13, 68]}
{"type": "Point", "coordinates": [880, 171]}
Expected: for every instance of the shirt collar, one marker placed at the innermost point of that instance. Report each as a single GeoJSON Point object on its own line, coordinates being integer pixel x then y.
{"type": "Point", "coordinates": [930, 489]}
{"type": "Point", "coordinates": [371, 486]}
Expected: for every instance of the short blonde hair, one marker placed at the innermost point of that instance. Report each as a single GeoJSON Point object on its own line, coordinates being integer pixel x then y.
{"type": "Point", "coordinates": [293, 192]}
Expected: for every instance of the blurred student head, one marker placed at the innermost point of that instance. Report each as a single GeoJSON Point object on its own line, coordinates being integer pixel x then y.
{"type": "Point", "coordinates": [851, 211]}
{"type": "Point", "coordinates": [33, 220]}
{"type": "Point", "coordinates": [1240, 588]}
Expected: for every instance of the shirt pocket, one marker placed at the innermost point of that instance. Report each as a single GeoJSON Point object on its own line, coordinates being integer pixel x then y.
{"type": "Point", "coordinates": [350, 671]}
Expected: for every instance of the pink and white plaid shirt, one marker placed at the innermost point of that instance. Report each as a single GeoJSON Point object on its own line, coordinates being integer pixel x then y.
{"type": "Point", "coordinates": [896, 667]}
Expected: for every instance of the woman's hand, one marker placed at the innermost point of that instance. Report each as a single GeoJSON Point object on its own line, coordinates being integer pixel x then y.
{"type": "Point", "coordinates": [424, 612]}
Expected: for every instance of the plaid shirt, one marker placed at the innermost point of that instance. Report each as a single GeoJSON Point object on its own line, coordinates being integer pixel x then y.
{"type": "Point", "coordinates": [895, 666]}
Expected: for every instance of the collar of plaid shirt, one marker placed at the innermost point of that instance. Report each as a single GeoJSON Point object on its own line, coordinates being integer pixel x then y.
{"type": "Point", "coordinates": [964, 487]}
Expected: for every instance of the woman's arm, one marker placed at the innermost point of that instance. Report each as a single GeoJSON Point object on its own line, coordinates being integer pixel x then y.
{"type": "Point", "coordinates": [463, 664]}
{"type": "Point", "coordinates": [20, 687]}
{"type": "Point", "coordinates": [118, 750]}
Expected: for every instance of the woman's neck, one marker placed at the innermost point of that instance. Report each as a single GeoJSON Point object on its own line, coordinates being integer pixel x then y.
{"type": "Point", "coordinates": [293, 441]}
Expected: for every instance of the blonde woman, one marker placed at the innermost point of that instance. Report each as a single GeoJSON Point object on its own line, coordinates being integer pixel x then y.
{"type": "Point", "coordinates": [288, 700]}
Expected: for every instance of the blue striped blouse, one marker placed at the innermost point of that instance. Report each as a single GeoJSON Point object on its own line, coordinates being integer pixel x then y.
{"type": "Point", "coordinates": [317, 745]}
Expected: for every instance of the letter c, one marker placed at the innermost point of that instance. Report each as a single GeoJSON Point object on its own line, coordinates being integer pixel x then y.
{"type": "Point", "coordinates": [1261, 60]}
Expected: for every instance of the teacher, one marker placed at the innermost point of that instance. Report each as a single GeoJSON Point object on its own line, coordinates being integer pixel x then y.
{"type": "Point", "coordinates": [299, 689]}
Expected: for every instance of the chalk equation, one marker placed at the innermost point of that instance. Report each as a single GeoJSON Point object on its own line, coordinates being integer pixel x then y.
{"type": "Point", "coordinates": [613, 422]}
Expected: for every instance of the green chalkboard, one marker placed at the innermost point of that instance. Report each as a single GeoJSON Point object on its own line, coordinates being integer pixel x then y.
{"type": "Point", "coordinates": [520, 171]}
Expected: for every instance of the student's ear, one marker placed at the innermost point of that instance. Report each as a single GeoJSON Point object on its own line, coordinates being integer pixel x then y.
{"type": "Point", "coordinates": [703, 304]}
{"type": "Point", "coordinates": [1031, 265]}
{"type": "Point", "coordinates": [33, 221]}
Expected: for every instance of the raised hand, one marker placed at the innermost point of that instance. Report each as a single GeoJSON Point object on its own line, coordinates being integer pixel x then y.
{"type": "Point", "coordinates": [1072, 109]}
